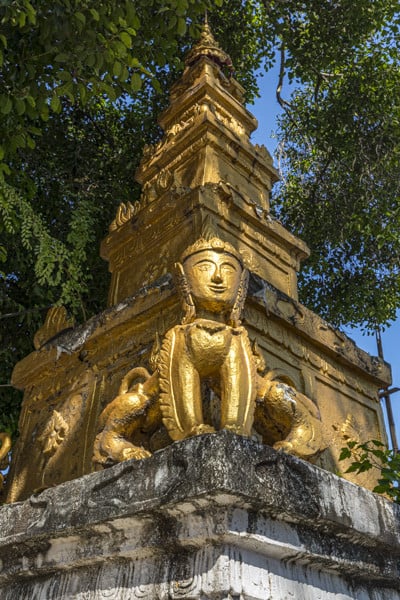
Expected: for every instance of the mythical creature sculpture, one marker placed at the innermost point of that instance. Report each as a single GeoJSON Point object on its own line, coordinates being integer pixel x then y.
{"type": "Point", "coordinates": [209, 352]}
{"type": "Point", "coordinates": [133, 410]}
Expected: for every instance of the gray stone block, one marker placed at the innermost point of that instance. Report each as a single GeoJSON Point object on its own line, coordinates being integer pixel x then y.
{"type": "Point", "coordinates": [213, 517]}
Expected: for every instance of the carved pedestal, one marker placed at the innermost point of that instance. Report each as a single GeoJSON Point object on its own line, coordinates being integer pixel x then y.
{"type": "Point", "coordinates": [215, 517]}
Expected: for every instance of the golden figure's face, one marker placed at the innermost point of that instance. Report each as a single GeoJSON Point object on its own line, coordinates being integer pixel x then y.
{"type": "Point", "coordinates": [214, 279]}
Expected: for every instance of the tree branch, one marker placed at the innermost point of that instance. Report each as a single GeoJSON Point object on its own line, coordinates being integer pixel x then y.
{"type": "Point", "coordinates": [283, 103]}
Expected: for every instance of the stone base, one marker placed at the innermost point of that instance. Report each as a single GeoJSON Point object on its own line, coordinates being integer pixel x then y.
{"type": "Point", "coordinates": [214, 517]}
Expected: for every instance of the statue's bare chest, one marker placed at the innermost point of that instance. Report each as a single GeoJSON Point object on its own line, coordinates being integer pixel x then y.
{"type": "Point", "coordinates": [208, 344]}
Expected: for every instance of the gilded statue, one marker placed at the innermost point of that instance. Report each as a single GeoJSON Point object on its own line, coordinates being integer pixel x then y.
{"type": "Point", "coordinates": [209, 346]}
{"type": "Point", "coordinates": [208, 354]}
{"type": "Point", "coordinates": [135, 408]}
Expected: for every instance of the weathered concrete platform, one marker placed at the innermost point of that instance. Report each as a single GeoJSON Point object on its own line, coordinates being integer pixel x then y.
{"type": "Point", "coordinates": [214, 517]}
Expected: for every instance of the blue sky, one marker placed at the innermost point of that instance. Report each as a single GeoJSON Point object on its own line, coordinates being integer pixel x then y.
{"type": "Point", "coordinates": [266, 109]}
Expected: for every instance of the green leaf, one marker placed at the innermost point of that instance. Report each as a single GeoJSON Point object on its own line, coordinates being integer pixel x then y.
{"type": "Point", "coordinates": [344, 453]}
{"type": "Point", "coordinates": [21, 19]}
{"type": "Point", "coordinates": [381, 489]}
{"type": "Point", "coordinates": [66, 89]}
{"type": "Point", "coordinates": [30, 142]}
{"type": "Point", "coordinates": [136, 82]}
{"type": "Point", "coordinates": [82, 92]}
{"type": "Point", "coordinates": [3, 254]}
{"type": "Point", "coordinates": [80, 17]}
{"type": "Point", "coordinates": [134, 62]}
{"type": "Point", "coordinates": [181, 27]}
{"type": "Point", "coordinates": [18, 140]}
{"type": "Point", "coordinates": [378, 443]}
{"type": "Point", "coordinates": [172, 21]}
{"type": "Point", "coordinates": [5, 105]}
{"type": "Point", "coordinates": [126, 39]}
{"type": "Point", "coordinates": [117, 68]}
{"type": "Point", "coordinates": [44, 113]}
{"type": "Point", "coordinates": [156, 85]}
{"type": "Point", "coordinates": [55, 104]}
{"type": "Point", "coordinates": [5, 169]}
{"type": "Point", "coordinates": [19, 106]}
{"type": "Point", "coordinates": [119, 48]}
{"type": "Point", "coordinates": [110, 91]}
{"type": "Point", "coordinates": [95, 14]}
{"type": "Point", "coordinates": [354, 467]}
{"type": "Point", "coordinates": [64, 75]}
{"type": "Point", "coordinates": [62, 57]}
{"type": "Point", "coordinates": [90, 60]}
{"type": "Point", "coordinates": [132, 15]}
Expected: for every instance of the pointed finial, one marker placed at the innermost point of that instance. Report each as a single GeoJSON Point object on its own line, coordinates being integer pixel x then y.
{"type": "Point", "coordinates": [208, 47]}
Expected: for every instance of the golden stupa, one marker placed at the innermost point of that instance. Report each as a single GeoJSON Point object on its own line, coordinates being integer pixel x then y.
{"type": "Point", "coordinates": [244, 355]}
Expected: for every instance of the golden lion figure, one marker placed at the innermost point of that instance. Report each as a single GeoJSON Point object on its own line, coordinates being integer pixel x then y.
{"type": "Point", "coordinates": [133, 410]}
{"type": "Point", "coordinates": [209, 349]}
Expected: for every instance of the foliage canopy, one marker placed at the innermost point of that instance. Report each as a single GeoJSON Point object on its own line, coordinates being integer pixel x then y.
{"type": "Point", "coordinates": [341, 190]}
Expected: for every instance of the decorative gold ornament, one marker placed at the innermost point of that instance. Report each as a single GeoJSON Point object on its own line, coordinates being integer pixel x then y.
{"type": "Point", "coordinates": [350, 431]}
{"type": "Point", "coordinates": [125, 212]}
{"type": "Point", "coordinates": [209, 352]}
{"type": "Point", "coordinates": [54, 433]}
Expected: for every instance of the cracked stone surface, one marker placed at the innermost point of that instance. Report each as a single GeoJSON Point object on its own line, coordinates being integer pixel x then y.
{"type": "Point", "coordinates": [214, 517]}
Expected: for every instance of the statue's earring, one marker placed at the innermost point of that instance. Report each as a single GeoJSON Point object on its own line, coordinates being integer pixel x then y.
{"type": "Point", "coordinates": [187, 299]}
{"type": "Point", "coordinates": [240, 299]}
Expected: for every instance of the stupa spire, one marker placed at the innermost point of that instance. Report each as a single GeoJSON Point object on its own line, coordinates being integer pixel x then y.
{"type": "Point", "coordinates": [207, 46]}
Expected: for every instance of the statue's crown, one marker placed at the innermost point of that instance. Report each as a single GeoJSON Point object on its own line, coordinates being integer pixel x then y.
{"type": "Point", "coordinates": [215, 244]}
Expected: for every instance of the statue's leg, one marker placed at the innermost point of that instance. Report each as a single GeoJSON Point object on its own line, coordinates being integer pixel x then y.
{"type": "Point", "coordinates": [180, 399]}
{"type": "Point", "coordinates": [238, 389]}
{"type": "Point", "coordinates": [114, 448]}
{"type": "Point", "coordinates": [120, 419]}
{"type": "Point", "coordinates": [187, 390]}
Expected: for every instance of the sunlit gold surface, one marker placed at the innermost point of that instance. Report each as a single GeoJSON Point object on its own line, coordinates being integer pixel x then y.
{"type": "Point", "coordinates": [209, 353]}
{"type": "Point", "coordinates": [211, 348]}
{"type": "Point", "coordinates": [134, 409]}
{"type": "Point", "coordinates": [214, 280]}
{"type": "Point", "coordinates": [288, 420]}
{"type": "Point", "coordinates": [205, 201]}
{"type": "Point", "coordinates": [207, 46]}
{"type": "Point", "coordinates": [124, 214]}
